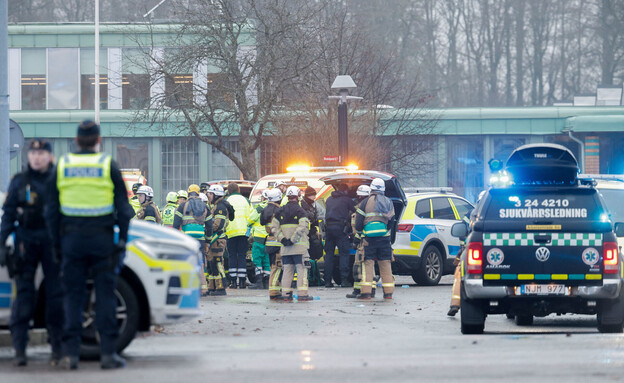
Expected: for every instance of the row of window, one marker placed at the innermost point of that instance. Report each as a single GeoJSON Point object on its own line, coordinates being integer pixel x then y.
{"type": "Point", "coordinates": [440, 208]}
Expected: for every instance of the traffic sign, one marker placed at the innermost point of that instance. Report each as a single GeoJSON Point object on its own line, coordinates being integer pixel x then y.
{"type": "Point", "coordinates": [331, 158]}
{"type": "Point", "coordinates": [16, 138]}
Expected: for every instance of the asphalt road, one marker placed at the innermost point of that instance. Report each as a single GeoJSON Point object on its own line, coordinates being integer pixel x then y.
{"type": "Point", "coordinates": [244, 337]}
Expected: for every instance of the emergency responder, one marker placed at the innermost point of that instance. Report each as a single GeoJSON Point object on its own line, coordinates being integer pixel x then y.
{"type": "Point", "coordinates": [134, 200]}
{"type": "Point", "coordinates": [272, 245]}
{"type": "Point", "coordinates": [194, 219]}
{"type": "Point", "coordinates": [182, 196]}
{"type": "Point", "coordinates": [374, 218]}
{"type": "Point", "coordinates": [23, 215]}
{"type": "Point", "coordinates": [359, 269]}
{"type": "Point", "coordinates": [168, 213]}
{"type": "Point", "coordinates": [281, 186]}
{"type": "Point", "coordinates": [316, 214]}
{"type": "Point", "coordinates": [237, 239]}
{"type": "Point", "coordinates": [148, 211]}
{"type": "Point", "coordinates": [339, 208]}
{"type": "Point", "coordinates": [87, 197]}
{"type": "Point", "coordinates": [258, 254]}
{"type": "Point", "coordinates": [216, 246]}
{"type": "Point", "coordinates": [291, 226]}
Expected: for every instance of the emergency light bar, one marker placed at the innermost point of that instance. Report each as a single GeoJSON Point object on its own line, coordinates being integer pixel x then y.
{"type": "Point", "coordinates": [428, 190]}
{"type": "Point", "coordinates": [304, 168]}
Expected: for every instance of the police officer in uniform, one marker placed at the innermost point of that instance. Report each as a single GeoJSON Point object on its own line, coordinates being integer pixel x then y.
{"type": "Point", "coordinates": [337, 225]}
{"type": "Point", "coordinates": [374, 217]}
{"type": "Point", "coordinates": [359, 269]}
{"type": "Point", "coordinates": [23, 215]}
{"type": "Point", "coordinates": [216, 246]}
{"type": "Point", "coordinates": [87, 198]}
{"type": "Point", "coordinates": [272, 245]}
{"type": "Point", "coordinates": [148, 211]}
{"type": "Point", "coordinates": [168, 213]}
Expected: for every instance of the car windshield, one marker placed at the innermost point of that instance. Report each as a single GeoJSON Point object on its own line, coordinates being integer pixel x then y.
{"type": "Point", "coordinates": [613, 198]}
{"type": "Point", "coordinates": [301, 182]}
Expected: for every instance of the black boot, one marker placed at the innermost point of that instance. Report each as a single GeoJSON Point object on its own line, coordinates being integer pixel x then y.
{"type": "Point", "coordinates": [452, 311]}
{"type": "Point", "coordinates": [265, 282]}
{"type": "Point", "coordinates": [232, 284]}
{"type": "Point", "coordinates": [354, 294]}
{"type": "Point", "coordinates": [258, 284]}
{"type": "Point", "coordinates": [373, 292]}
{"type": "Point", "coordinates": [242, 283]}
{"type": "Point", "coordinates": [112, 361]}
{"type": "Point", "coordinates": [20, 358]}
{"type": "Point", "coordinates": [69, 363]}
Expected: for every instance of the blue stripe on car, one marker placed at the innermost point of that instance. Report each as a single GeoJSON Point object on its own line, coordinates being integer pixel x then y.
{"type": "Point", "coordinates": [420, 232]}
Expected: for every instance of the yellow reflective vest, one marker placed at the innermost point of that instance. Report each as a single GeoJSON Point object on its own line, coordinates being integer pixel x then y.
{"type": "Point", "coordinates": [242, 211]}
{"type": "Point", "coordinates": [85, 185]}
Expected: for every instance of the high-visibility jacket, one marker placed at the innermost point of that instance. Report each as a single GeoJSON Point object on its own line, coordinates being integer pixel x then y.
{"type": "Point", "coordinates": [242, 211]}
{"type": "Point", "coordinates": [85, 185]}
{"type": "Point", "coordinates": [168, 214]}
{"type": "Point", "coordinates": [134, 202]}
{"type": "Point", "coordinates": [259, 230]}
{"type": "Point", "coordinates": [375, 223]}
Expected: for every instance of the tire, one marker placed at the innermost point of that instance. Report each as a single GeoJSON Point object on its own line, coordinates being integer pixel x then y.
{"type": "Point", "coordinates": [471, 314]}
{"type": "Point", "coordinates": [524, 320]}
{"type": "Point", "coordinates": [127, 315]}
{"type": "Point", "coordinates": [431, 267]}
{"type": "Point", "coordinates": [611, 316]}
{"type": "Point", "coordinates": [610, 328]}
{"type": "Point", "coordinates": [509, 316]}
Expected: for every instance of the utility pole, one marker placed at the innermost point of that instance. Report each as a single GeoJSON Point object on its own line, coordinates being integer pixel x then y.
{"type": "Point", "coordinates": [343, 83]}
{"type": "Point", "coordinates": [97, 62]}
{"type": "Point", "coordinates": [5, 156]}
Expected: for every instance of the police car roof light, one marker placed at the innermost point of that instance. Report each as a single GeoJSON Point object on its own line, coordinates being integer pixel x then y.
{"type": "Point", "coordinates": [428, 190]}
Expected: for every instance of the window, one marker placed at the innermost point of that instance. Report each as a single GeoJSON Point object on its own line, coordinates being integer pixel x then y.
{"type": "Point", "coordinates": [180, 164]}
{"type": "Point", "coordinates": [179, 81]}
{"type": "Point", "coordinates": [63, 78]}
{"type": "Point", "coordinates": [463, 208]}
{"type": "Point", "coordinates": [135, 79]}
{"type": "Point", "coordinates": [87, 79]}
{"type": "Point", "coordinates": [33, 79]}
{"type": "Point", "coordinates": [270, 157]}
{"type": "Point", "coordinates": [423, 208]}
{"type": "Point", "coordinates": [222, 166]}
{"type": "Point", "coordinates": [218, 92]}
{"type": "Point", "coordinates": [442, 208]}
{"type": "Point", "coordinates": [465, 165]}
{"type": "Point", "coordinates": [133, 154]}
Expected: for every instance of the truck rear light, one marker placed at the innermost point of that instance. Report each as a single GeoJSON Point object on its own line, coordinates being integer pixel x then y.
{"type": "Point", "coordinates": [610, 257]}
{"type": "Point", "coordinates": [405, 227]}
{"type": "Point", "coordinates": [475, 257]}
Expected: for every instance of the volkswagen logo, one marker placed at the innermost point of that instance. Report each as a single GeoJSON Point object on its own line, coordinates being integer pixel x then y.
{"type": "Point", "coordinates": [542, 254]}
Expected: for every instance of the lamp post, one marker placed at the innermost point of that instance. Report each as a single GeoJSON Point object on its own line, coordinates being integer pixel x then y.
{"type": "Point", "coordinates": [96, 97]}
{"type": "Point", "coordinates": [343, 83]}
{"type": "Point", "coordinates": [5, 167]}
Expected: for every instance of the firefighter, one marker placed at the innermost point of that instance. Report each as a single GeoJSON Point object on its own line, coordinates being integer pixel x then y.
{"type": "Point", "coordinates": [272, 245]}
{"type": "Point", "coordinates": [216, 246]}
{"type": "Point", "coordinates": [237, 239]}
{"type": "Point", "coordinates": [194, 219]}
{"type": "Point", "coordinates": [134, 200]}
{"type": "Point", "coordinates": [168, 213]}
{"type": "Point", "coordinates": [359, 269]}
{"type": "Point", "coordinates": [182, 196]}
{"type": "Point", "coordinates": [290, 227]}
{"type": "Point", "coordinates": [258, 254]}
{"type": "Point", "coordinates": [374, 217]}
{"type": "Point", "coordinates": [148, 211]}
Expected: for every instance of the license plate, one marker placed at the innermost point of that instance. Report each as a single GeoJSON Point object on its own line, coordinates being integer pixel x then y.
{"type": "Point", "coordinates": [544, 290]}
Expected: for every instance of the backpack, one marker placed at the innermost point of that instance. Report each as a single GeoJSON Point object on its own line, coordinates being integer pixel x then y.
{"type": "Point", "coordinates": [314, 275]}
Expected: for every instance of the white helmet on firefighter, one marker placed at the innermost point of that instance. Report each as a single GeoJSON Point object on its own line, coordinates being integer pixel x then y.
{"type": "Point", "coordinates": [203, 197]}
{"type": "Point", "coordinates": [293, 191]}
{"type": "Point", "coordinates": [278, 183]}
{"type": "Point", "coordinates": [216, 190]}
{"type": "Point", "coordinates": [378, 186]}
{"type": "Point", "coordinates": [275, 195]}
{"type": "Point", "coordinates": [363, 190]}
{"type": "Point", "coordinates": [265, 193]}
{"type": "Point", "coordinates": [146, 190]}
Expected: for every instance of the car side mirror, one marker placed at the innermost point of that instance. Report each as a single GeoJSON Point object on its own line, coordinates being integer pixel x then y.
{"type": "Point", "coordinates": [619, 229]}
{"type": "Point", "coordinates": [459, 230]}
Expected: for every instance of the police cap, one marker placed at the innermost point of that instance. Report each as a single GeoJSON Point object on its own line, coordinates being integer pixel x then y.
{"type": "Point", "coordinates": [39, 144]}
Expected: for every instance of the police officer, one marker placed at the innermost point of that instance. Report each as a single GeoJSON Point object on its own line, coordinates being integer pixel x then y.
{"type": "Point", "coordinates": [374, 217]}
{"type": "Point", "coordinates": [134, 200]}
{"type": "Point", "coordinates": [359, 269]}
{"type": "Point", "coordinates": [168, 213]}
{"type": "Point", "coordinates": [272, 245]}
{"type": "Point", "coordinates": [23, 215]}
{"type": "Point", "coordinates": [337, 226]}
{"type": "Point", "coordinates": [148, 211]}
{"type": "Point", "coordinates": [216, 246]}
{"type": "Point", "coordinates": [258, 254]}
{"type": "Point", "coordinates": [237, 240]}
{"type": "Point", "coordinates": [87, 198]}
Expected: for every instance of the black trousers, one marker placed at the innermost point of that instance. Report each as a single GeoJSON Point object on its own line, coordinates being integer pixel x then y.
{"type": "Point", "coordinates": [335, 237]}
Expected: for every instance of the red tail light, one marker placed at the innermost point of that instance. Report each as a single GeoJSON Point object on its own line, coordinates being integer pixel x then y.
{"type": "Point", "coordinates": [610, 257]}
{"type": "Point", "coordinates": [475, 257]}
{"type": "Point", "coordinates": [405, 227]}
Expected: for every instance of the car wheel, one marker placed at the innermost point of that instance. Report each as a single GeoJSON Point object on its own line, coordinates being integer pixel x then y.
{"type": "Point", "coordinates": [431, 267]}
{"type": "Point", "coordinates": [509, 316]}
{"type": "Point", "coordinates": [524, 320]}
{"type": "Point", "coordinates": [610, 315]}
{"type": "Point", "coordinates": [471, 314]}
{"type": "Point", "coordinates": [127, 320]}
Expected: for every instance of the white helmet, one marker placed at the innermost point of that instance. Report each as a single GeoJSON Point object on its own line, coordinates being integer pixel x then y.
{"type": "Point", "coordinates": [203, 197]}
{"type": "Point", "coordinates": [275, 195]}
{"type": "Point", "coordinates": [378, 185]}
{"type": "Point", "coordinates": [293, 191]}
{"type": "Point", "coordinates": [279, 183]}
{"type": "Point", "coordinates": [146, 190]}
{"type": "Point", "coordinates": [265, 193]}
{"type": "Point", "coordinates": [363, 190]}
{"type": "Point", "coordinates": [216, 190]}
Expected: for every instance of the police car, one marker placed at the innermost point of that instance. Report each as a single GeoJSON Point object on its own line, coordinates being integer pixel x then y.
{"type": "Point", "coordinates": [158, 284]}
{"type": "Point", "coordinates": [424, 247]}
{"type": "Point", "coordinates": [542, 245]}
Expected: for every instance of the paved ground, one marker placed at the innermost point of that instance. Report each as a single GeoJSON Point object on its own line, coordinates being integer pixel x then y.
{"type": "Point", "coordinates": [244, 337]}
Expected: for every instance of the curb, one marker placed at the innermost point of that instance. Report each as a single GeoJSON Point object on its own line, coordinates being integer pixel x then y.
{"type": "Point", "coordinates": [37, 337]}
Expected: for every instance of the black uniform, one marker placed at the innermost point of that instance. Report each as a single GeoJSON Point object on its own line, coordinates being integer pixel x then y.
{"type": "Point", "coordinates": [24, 206]}
{"type": "Point", "coordinates": [316, 245]}
{"type": "Point", "coordinates": [339, 208]}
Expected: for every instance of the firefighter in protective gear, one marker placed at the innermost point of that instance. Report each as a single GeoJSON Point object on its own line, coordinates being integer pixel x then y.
{"type": "Point", "coordinates": [182, 196]}
{"type": "Point", "coordinates": [237, 237]}
{"type": "Point", "coordinates": [259, 256]}
{"type": "Point", "coordinates": [168, 213]}
{"type": "Point", "coordinates": [148, 211]}
{"type": "Point", "coordinates": [194, 219]}
{"type": "Point", "coordinates": [134, 200]}
{"type": "Point", "coordinates": [216, 243]}
{"type": "Point", "coordinates": [291, 226]}
{"type": "Point", "coordinates": [374, 217]}
{"type": "Point", "coordinates": [359, 269]}
{"type": "Point", "coordinates": [272, 245]}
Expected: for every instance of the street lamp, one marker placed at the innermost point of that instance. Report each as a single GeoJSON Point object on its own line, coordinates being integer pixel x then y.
{"type": "Point", "coordinates": [343, 83]}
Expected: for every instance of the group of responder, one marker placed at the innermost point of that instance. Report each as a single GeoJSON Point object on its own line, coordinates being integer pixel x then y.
{"type": "Point", "coordinates": [63, 218]}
